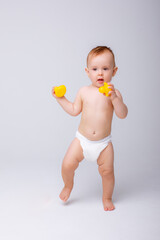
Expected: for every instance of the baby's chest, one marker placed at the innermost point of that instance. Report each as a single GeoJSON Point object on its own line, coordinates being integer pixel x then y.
{"type": "Point", "coordinates": [100, 103]}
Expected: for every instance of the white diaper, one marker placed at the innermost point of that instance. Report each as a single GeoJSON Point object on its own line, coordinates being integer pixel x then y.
{"type": "Point", "coordinates": [92, 149]}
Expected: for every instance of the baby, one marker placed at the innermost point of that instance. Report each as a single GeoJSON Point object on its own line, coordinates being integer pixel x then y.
{"type": "Point", "coordinates": [93, 138]}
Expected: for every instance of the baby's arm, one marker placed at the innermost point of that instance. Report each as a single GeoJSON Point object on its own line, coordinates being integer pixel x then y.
{"type": "Point", "coordinates": [73, 109]}
{"type": "Point", "coordinates": [120, 108]}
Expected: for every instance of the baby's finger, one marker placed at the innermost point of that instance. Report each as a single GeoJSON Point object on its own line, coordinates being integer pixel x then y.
{"type": "Point", "coordinates": [53, 90]}
{"type": "Point", "coordinates": [111, 92]}
{"type": "Point", "coordinates": [111, 87]}
{"type": "Point", "coordinates": [110, 84]}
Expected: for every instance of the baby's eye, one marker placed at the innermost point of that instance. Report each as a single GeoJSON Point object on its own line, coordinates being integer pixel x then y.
{"type": "Point", "coordinates": [94, 69]}
{"type": "Point", "coordinates": [105, 68]}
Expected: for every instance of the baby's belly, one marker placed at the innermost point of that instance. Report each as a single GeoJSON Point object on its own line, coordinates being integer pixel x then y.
{"type": "Point", "coordinates": [96, 127]}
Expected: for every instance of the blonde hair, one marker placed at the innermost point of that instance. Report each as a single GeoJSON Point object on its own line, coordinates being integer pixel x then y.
{"type": "Point", "coordinates": [99, 50]}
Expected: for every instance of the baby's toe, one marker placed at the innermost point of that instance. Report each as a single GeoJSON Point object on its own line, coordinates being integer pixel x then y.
{"type": "Point", "coordinates": [108, 205]}
{"type": "Point", "coordinates": [105, 208]}
{"type": "Point", "coordinates": [112, 208]}
{"type": "Point", "coordinates": [65, 199]}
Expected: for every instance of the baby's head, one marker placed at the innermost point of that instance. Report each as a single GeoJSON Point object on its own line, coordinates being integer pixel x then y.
{"type": "Point", "coordinates": [98, 51]}
{"type": "Point", "coordinates": [101, 65]}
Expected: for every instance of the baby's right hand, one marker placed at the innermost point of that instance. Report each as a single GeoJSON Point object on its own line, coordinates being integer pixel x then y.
{"type": "Point", "coordinates": [53, 93]}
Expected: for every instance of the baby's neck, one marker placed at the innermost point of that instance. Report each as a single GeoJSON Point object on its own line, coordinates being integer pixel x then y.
{"type": "Point", "coordinates": [93, 86]}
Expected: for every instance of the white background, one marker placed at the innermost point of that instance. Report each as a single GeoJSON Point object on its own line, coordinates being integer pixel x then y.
{"type": "Point", "coordinates": [43, 44]}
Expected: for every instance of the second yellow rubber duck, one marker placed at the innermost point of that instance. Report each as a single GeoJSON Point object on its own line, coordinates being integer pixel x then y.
{"type": "Point", "coordinates": [104, 89]}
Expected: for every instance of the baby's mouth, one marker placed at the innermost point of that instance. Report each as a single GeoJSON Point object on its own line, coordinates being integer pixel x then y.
{"type": "Point", "coordinates": [100, 80]}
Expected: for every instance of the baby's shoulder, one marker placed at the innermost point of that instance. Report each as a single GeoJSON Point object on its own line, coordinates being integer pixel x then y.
{"type": "Point", "coordinates": [83, 89]}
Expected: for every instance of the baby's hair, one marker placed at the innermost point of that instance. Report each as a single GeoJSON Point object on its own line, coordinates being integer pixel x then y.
{"type": "Point", "coordinates": [99, 50]}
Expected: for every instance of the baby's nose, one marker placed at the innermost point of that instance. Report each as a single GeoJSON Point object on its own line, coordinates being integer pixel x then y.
{"type": "Point", "coordinates": [100, 72]}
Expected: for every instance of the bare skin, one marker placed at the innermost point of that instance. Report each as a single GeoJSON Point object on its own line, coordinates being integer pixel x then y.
{"type": "Point", "coordinates": [96, 119]}
{"type": "Point", "coordinates": [71, 161]}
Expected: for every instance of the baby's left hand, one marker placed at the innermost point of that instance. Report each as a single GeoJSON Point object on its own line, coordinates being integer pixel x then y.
{"type": "Point", "coordinates": [112, 93]}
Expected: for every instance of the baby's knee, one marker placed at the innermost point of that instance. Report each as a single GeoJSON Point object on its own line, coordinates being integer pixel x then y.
{"type": "Point", "coordinates": [106, 171]}
{"type": "Point", "coordinates": [70, 165]}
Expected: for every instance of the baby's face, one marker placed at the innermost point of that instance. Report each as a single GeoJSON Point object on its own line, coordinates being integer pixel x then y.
{"type": "Point", "coordinates": [101, 69]}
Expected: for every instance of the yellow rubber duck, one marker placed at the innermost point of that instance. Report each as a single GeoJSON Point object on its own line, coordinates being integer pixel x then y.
{"type": "Point", "coordinates": [105, 89]}
{"type": "Point", "coordinates": [60, 91]}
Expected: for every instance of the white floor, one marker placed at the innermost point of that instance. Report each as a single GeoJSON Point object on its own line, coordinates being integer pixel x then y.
{"type": "Point", "coordinates": [30, 207]}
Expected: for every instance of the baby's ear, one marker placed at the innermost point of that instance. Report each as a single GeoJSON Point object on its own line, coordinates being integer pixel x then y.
{"type": "Point", "coordinates": [114, 71]}
{"type": "Point", "coordinates": [86, 70]}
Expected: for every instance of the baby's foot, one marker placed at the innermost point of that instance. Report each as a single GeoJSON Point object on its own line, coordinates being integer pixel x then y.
{"type": "Point", "coordinates": [64, 195]}
{"type": "Point", "coordinates": [108, 204]}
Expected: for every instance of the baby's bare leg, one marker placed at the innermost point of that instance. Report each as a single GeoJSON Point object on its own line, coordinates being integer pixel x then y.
{"type": "Point", "coordinates": [71, 161]}
{"type": "Point", "coordinates": [106, 170]}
